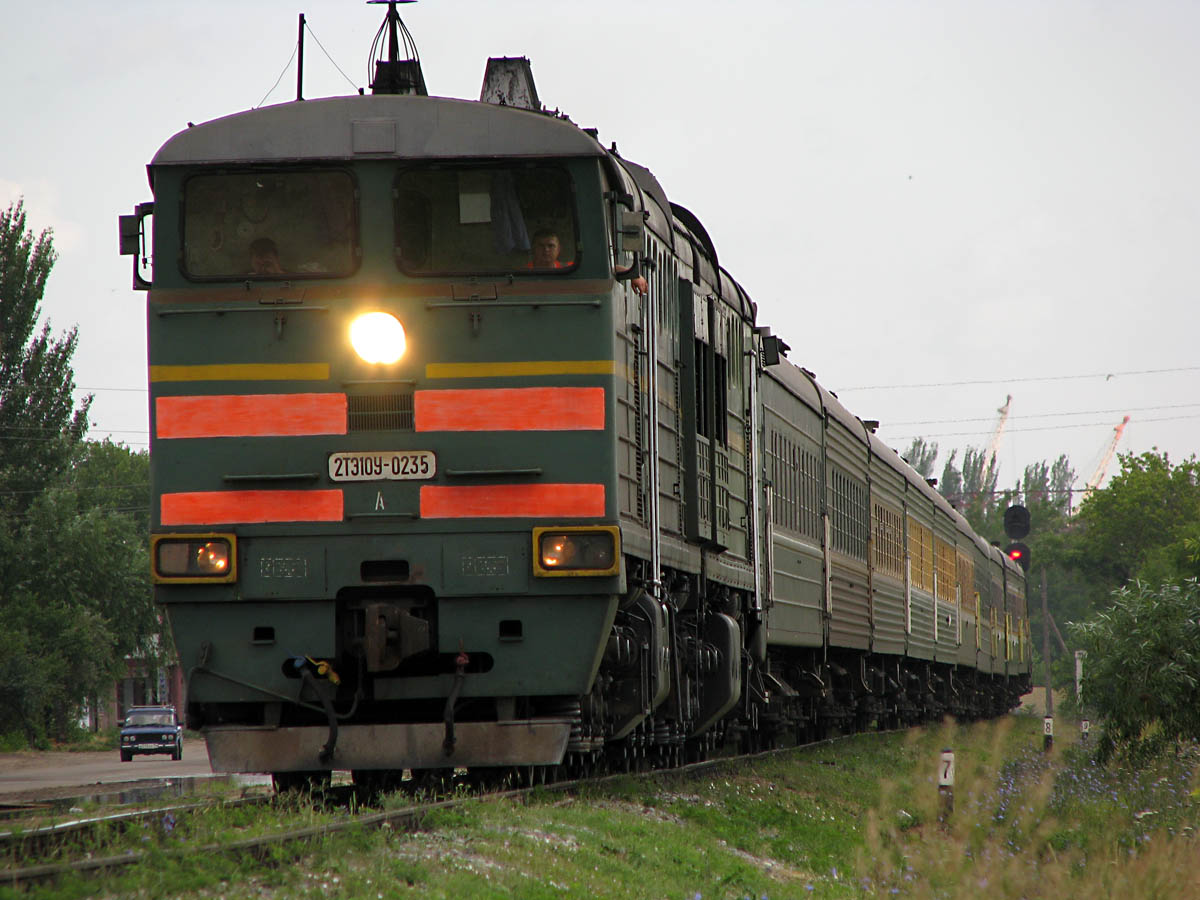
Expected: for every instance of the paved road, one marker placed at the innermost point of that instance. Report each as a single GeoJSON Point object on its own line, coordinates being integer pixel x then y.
{"type": "Point", "coordinates": [31, 775]}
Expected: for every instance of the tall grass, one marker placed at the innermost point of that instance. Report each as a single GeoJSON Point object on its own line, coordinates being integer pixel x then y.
{"type": "Point", "coordinates": [1033, 824]}
{"type": "Point", "coordinates": [856, 818]}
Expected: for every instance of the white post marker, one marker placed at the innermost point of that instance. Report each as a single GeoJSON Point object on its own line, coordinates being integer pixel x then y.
{"type": "Point", "coordinates": [1085, 728]}
{"type": "Point", "coordinates": [1079, 655]}
{"type": "Point", "coordinates": [1047, 732]}
{"type": "Point", "coordinates": [946, 784]}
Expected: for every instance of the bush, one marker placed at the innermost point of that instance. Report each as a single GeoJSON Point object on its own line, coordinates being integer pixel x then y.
{"type": "Point", "coordinates": [1142, 670]}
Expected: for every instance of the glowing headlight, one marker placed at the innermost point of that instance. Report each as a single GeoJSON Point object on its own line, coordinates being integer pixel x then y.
{"type": "Point", "coordinates": [193, 558]}
{"type": "Point", "coordinates": [377, 337]}
{"type": "Point", "coordinates": [576, 552]}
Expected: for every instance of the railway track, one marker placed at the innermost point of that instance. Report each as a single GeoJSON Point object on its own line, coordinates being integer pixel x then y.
{"type": "Point", "coordinates": [407, 818]}
{"type": "Point", "coordinates": [39, 839]}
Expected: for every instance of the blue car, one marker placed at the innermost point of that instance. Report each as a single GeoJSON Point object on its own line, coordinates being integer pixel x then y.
{"type": "Point", "coordinates": [151, 729]}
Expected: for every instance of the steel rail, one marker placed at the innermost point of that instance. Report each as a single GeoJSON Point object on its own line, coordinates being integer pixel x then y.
{"type": "Point", "coordinates": [407, 818]}
{"type": "Point", "coordinates": [39, 834]}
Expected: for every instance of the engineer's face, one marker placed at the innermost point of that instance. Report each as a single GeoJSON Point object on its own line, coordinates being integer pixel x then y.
{"type": "Point", "coordinates": [545, 251]}
{"type": "Point", "coordinates": [265, 263]}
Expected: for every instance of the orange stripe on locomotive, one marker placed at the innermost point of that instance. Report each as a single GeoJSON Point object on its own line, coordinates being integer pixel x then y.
{"type": "Point", "coordinates": [249, 507]}
{"type": "Point", "coordinates": [508, 501]}
{"type": "Point", "coordinates": [510, 409]}
{"type": "Point", "coordinates": [250, 415]}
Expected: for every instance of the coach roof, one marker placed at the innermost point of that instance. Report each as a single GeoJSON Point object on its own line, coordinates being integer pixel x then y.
{"type": "Point", "coordinates": [377, 127]}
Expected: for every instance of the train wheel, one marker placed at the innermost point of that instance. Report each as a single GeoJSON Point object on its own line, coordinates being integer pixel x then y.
{"type": "Point", "coordinates": [302, 782]}
{"type": "Point", "coordinates": [377, 782]}
{"type": "Point", "coordinates": [430, 782]}
{"type": "Point", "coordinates": [489, 778]}
{"type": "Point", "coordinates": [530, 776]}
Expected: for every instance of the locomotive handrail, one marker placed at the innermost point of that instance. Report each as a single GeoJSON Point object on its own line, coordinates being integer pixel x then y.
{"type": "Point", "coordinates": [467, 304]}
{"type": "Point", "coordinates": [284, 476]}
{"type": "Point", "coordinates": [485, 473]}
{"type": "Point", "coordinates": [178, 311]}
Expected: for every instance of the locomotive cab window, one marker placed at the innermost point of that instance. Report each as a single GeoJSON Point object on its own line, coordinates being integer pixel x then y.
{"type": "Point", "coordinates": [496, 219]}
{"type": "Point", "coordinates": [269, 225]}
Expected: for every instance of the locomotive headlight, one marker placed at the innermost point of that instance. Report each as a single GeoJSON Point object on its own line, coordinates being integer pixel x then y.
{"type": "Point", "coordinates": [194, 558]}
{"type": "Point", "coordinates": [377, 337]}
{"type": "Point", "coordinates": [576, 551]}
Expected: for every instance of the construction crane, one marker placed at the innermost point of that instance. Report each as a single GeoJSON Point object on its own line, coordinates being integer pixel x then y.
{"type": "Point", "coordinates": [1105, 459]}
{"type": "Point", "coordinates": [997, 432]}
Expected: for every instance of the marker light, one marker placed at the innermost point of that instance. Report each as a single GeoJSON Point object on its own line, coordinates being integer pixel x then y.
{"type": "Point", "coordinates": [193, 558]}
{"type": "Point", "coordinates": [377, 337]}
{"type": "Point", "coordinates": [576, 551]}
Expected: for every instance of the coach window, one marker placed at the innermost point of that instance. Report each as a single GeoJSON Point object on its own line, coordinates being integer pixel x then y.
{"type": "Point", "coordinates": [269, 225]}
{"type": "Point", "coordinates": [467, 220]}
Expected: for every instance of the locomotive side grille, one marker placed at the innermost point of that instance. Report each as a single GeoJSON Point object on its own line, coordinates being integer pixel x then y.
{"type": "Point", "coordinates": [380, 412]}
{"type": "Point", "coordinates": [722, 473]}
{"type": "Point", "coordinates": [638, 412]}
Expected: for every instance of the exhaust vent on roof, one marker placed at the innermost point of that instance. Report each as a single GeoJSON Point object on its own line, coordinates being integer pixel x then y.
{"type": "Point", "coordinates": [508, 81]}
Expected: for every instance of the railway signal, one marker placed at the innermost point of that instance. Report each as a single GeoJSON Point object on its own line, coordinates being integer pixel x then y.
{"type": "Point", "coordinates": [1016, 526]}
{"type": "Point", "coordinates": [1016, 522]}
{"type": "Point", "coordinates": [1018, 553]}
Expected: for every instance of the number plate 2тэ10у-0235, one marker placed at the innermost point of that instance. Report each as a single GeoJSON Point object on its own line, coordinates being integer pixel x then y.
{"type": "Point", "coordinates": [389, 465]}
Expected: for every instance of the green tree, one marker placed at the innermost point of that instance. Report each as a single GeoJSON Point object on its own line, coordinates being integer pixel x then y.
{"type": "Point", "coordinates": [1140, 525]}
{"type": "Point", "coordinates": [972, 490]}
{"type": "Point", "coordinates": [40, 425]}
{"type": "Point", "coordinates": [1143, 668]}
{"type": "Point", "coordinates": [921, 455]}
{"type": "Point", "coordinates": [1047, 493]}
{"type": "Point", "coordinates": [75, 597]}
{"type": "Point", "coordinates": [113, 478]}
{"type": "Point", "coordinates": [54, 655]}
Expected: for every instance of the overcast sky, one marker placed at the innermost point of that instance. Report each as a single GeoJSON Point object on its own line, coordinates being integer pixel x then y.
{"type": "Point", "coordinates": [936, 204]}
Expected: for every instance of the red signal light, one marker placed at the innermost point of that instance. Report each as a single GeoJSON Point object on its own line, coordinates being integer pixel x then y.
{"type": "Point", "coordinates": [1018, 553]}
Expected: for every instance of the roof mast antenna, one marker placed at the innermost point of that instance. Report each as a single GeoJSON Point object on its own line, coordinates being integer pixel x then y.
{"type": "Point", "coordinates": [395, 75]}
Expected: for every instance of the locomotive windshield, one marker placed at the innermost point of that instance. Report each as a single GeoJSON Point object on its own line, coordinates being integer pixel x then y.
{"type": "Point", "coordinates": [469, 220]}
{"type": "Point", "coordinates": [269, 225]}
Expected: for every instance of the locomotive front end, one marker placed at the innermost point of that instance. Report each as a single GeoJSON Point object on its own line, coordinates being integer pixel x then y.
{"type": "Point", "coordinates": [382, 376]}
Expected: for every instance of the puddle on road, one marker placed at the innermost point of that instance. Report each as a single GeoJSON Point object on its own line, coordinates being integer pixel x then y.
{"type": "Point", "coordinates": [147, 791]}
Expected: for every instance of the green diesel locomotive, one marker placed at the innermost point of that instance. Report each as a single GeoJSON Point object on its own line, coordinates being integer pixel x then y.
{"type": "Point", "coordinates": [466, 453]}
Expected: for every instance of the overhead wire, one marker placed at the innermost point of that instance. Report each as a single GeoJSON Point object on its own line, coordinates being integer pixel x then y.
{"type": "Point", "coordinates": [1090, 412]}
{"type": "Point", "coordinates": [1029, 379]}
{"type": "Point", "coordinates": [881, 387]}
{"type": "Point", "coordinates": [1108, 425]}
{"type": "Point", "coordinates": [50, 429]}
{"type": "Point", "coordinates": [78, 489]}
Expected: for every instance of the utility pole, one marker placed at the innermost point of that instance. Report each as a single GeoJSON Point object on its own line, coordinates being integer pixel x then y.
{"type": "Point", "coordinates": [1046, 645]}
